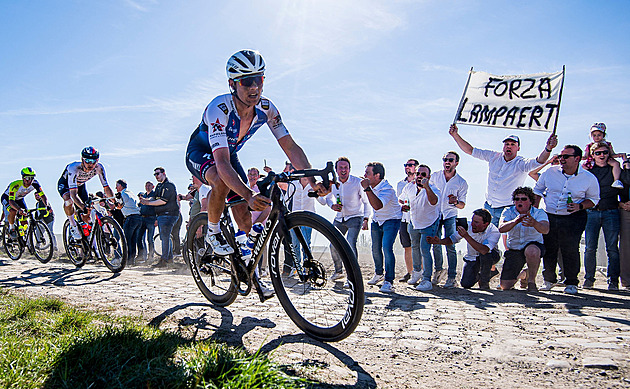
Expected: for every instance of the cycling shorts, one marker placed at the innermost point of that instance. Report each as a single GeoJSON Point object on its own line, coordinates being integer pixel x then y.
{"type": "Point", "coordinates": [7, 207]}
{"type": "Point", "coordinates": [198, 162]}
{"type": "Point", "coordinates": [62, 188]}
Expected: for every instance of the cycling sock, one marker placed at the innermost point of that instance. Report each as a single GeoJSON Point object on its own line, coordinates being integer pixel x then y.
{"type": "Point", "coordinates": [213, 228]}
{"type": "Point", "coordinates": [72, 221]}
{"type": "Point", "coordinates": [12, 226]}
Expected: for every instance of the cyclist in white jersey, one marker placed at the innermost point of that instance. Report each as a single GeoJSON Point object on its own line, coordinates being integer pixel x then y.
{"type": "Point", "coordinates": [71, 185]}
{"type": "Point", "coordinates": [228, 122]}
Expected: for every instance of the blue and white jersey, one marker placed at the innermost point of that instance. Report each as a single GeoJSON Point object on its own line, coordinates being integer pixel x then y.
{"type": "Point", "coordinates": [221, 123]}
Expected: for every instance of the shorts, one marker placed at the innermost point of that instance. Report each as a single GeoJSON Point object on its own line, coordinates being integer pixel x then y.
{"type": "Point", "coordinates": [198, 162]}
{"type": "Point", "coordinates": [403, 234]}
{"type": "Point", "coordinates": [63, 188]}
{"type": "Point", "coordinates": [515, 261]}
{"type": "Point", "coordinates": [7, 207]}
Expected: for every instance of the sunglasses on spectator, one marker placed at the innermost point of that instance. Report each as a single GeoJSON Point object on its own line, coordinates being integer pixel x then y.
{"type": "Point", "coordinates": [521, 198]}
{"type": "Point", "coordinates": [421, 174]}
{"type": "Point", "coordinates": [157, 173]}
{"type": "Point", "coordinates": [448, 159]}
{"type": "Point", "coordinates": [250, 80]}
{"type": "Point", "coordinates": [565, 156]}
{"type": "Point", "coordinates": [603, 152]}
{"type": "Point", "coordinates": [409, 164]}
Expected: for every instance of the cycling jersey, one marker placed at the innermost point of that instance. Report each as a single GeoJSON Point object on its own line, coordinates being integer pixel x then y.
{"type": "Point", "coordinates": [74, 176]}
{"type": "Point", "coordinates": [17, 191]}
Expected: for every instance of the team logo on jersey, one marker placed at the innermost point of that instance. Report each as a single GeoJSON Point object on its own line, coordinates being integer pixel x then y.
{"type": "Point", "coordinates": [276, 121]}
{"type": "Point", "coordinates": [264, 103]}
{"type": "Point", "coordinates": [217, 126]}
{"type": "Point", "coordinates": [223, 108]}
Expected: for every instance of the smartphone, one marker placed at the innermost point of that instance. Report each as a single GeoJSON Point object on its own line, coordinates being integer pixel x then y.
{"type": "Point", "coordinates": [461, 222]}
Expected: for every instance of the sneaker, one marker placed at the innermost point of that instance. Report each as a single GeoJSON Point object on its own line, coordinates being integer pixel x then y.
{"type": "Point", "coordinates": [264, 273]}
{"type": "Point", "coordinates": [387, 287]}
{"type": "Point", "coordinates": [336, 276]}
{"type": "Point", "coordinates": [531, 287]}
{"type": "Point", "coordinates": [346, 285]}
{"type": "Point", "coordinates": [376, 279]}
{"type": "Point", "coordinates": [484, 285]}
{"type": "Point", "coordinates": [547, 285]}
{"type": "Point", "coordinates": [424, 286]}
{"type": "Point", "coordinates": [570, 289]}
{"type": "Point", "coordinates": [265, 289]}
{"type": "Point", "coordinates": [416, 276]}
{"type": "Point", "coordinates": [494, 273]}
{"type": "Point", "coordinates": [218, 244]}
{"type": "Point", "coordinates": [75, 233]}
{"type": "Point", "coordinates": [588, 284]}
{"type": "Point", "coordinates": [617, 184]}
{"type": "Point", "coordinates": [450, 283]}
{"type": "Point", "coordinates": [439, 276]}
{"type": "Point", "coordinates": [405, 278]}
{"type": "Point", "coordinates": [613, 286]}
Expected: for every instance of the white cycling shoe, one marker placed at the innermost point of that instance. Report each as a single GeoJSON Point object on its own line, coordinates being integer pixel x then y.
{"type": "Point", "coordinates": [75, 233]}
{"type": "Point", "coordinates": [218, 244]}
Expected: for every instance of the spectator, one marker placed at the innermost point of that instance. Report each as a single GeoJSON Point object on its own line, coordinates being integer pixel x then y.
{"type": "Point", "coordinates": [624, 226]}
{"type": "Point", "coordinates": [149, 221]}
{"type": "Point", "coordinates": [603, 216]}
{"type": "Point", "coordinates": [405, 240]}
{"type": "Point", "coordinates": [482, 237]}
{"type": "Point", "coordinates": [424, 218]}
{"type": "Point", "coordinates": [567, 218]}
{"type": "Point", "coordinates": [525, 226]}
{"type": "Point", "coordinates": [167, 211]}
{"type": "Point", "coordinates": [598, 134]}
{"type": "Point", "coordinates": [133, 220]}
{"type": "Point", "coordinates": [506, 170]}
{"type": "Point", "coordinates": [353, 211]}
{"type": "Point", "coordinates": [453, 189]}
{"type": "Point", "coordinates": [385, 223]}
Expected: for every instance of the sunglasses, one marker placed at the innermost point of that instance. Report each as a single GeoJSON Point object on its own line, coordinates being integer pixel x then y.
{"type": "Point", "coordinates": [423, 174]}
{"type": "Point", "coordinates": [603, 152]}
{"type": "Point", "coordinates": [409, 164]}
{"type": "Point", "coordinates": [89, 160]}
{"type": "Point", "coordinates": [565, 156]}
{"type": "Point", "coordinates": [448, 159]}
{"type": "Point", "coordinates": [249, 80]}
{"type": "Point", "coordinates": [157, 173]}
{"type": "Point", "coordinates": [521, 198]}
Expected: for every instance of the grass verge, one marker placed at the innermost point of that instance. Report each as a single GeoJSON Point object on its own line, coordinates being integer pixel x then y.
{"type": "Point", "coordinates": [45, 343]}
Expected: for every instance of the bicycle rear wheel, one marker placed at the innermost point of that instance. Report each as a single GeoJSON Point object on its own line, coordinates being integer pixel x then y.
{"type": "Point", "coordinates": [323, 309]}
{"type": "Point", "coordinates": [75, 249]}
{"type": "Point", "coordinates": [12, 246]}
{"type": "Point", "coordinates": [41, 242]}
{"type": "Point", "coordinates": [212, 273]}
{"type": "Point", "coordinates": [112, 245]}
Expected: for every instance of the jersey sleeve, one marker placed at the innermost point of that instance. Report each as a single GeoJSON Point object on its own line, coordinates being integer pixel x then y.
{"type": "Point", "coordinates": [101, 175]}
{"type": "Point", "coordinates": [72, 176]}
{"type": "Point", "coordinates": [274, 120]}
{"type": "Point", "coordinates": [38, 187]}
{"type": "Point", "coordinates": [216, 119]}
{"type": "Point", "coordinates": [13, 189]}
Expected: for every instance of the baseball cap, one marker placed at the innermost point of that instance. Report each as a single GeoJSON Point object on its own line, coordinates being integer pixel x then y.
{"type": "Point", "coordinates": [598, 127]}
{"type": "Point", "coordinates": [513, 138]}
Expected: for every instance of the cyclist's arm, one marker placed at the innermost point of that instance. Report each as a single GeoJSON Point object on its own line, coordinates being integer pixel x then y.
{"type": "Point", "coordinates": [296, 156]}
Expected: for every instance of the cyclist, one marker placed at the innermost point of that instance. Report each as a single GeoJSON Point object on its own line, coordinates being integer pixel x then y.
{"type": "Point", "coordinates": [227, 123]}
{"type": "Point", "coordinates": [71, 185]}
{"type": "Point", "coordinates": [13, 197]}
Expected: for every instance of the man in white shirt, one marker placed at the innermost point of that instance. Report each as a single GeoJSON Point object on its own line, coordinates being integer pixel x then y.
{"type": "Point", "coordinates": [385, 223]}
{"type": "Point", "coordinates": [352, 207]}
{"type": "Point", "coordinates": [506, 170]}
{"type": "Point", "coordinates": [424, 218]}
{"type": "Point", "coordinates": [569, 191]}
{"type": "Point", "coordinates": [525, 226]}
{"type": "Point", "coordinates": [482, 238]}
{"type": "Point", "coordinates": [405, 240]}
{"type": "Point", "coordinates": [453, 189]}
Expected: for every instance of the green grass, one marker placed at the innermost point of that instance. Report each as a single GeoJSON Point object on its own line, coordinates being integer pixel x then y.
{"type": "Point", "coordinates": [45, 343]}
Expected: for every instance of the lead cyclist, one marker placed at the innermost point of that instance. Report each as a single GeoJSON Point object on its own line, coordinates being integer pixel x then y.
{"type": "Point", "coordinates": [227, 123]}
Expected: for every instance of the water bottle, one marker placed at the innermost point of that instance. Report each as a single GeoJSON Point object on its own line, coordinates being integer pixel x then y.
{"type": "Point", "coordinates": [241, 239]}
{"type": "Point", "coordinates": [257, 228]}
{"type": "Point", "coordinates": [85, 227]}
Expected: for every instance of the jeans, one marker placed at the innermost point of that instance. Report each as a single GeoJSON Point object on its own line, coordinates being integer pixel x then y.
{"type": "Point", "coordinates": [495, 212]}
{"type": "Point", "coordinates": [177, 245]}
{"type": "Point", "coordinates": [131, 228]}
{"type": "Point", "coordinates": [479, 270]}
{"type": "Point", "coordinates": [383, 237]}
{"type": "Point", "coordinates": [165, 224]}
{"type": "Point", "coordinates": [352, 227]}
{"type": "Point", "coordinates": [609, 222]}
{"type": "Point", "coordinates": [565, 232]}
{"type": "Point", "coordinates": [52, 233]}
{"type": "Point", "coordinates": [451, 252]}
{"type": "Point", "coordinates": [420, 248]}
{"type": "Point", "coordinates": [147, 227]}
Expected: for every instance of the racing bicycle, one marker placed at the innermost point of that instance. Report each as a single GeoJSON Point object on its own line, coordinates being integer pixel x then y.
{"type": "Point", "coordinates": [32, 234]}
{"type": "Point", "coordinates": [101, 238]}
{"type": "Point", "coordinates": [325, 310]}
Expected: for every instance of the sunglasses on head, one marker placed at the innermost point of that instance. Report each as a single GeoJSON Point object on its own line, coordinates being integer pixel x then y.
{"type": "Point", "coordinates": [250, 80]}
{"type": "Point", "coordinates": [521, 198]}
{"type": "Point", "coordinates": [409, 164]}
{"type": "Point", "coordinates": [89, 160]}
{"type": "Point", "coordinates": [448, 159]}
{"type": "Point", "coordinates": [603, 152]}
{"type": "Point", "coordinates": [565, 156]}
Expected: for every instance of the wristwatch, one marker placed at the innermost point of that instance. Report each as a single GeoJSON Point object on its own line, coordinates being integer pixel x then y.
{"type": "Point", "coordinates": [368, 189]}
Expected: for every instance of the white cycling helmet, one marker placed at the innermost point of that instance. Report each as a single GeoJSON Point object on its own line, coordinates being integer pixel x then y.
{"type": "Point", "coordinates": [245, 63]}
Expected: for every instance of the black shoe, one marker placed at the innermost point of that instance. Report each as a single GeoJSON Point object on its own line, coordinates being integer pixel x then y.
{"type": "Point", "coordinates": [494, 273]}
{"type": "Point", "coordinates": [405, 278]}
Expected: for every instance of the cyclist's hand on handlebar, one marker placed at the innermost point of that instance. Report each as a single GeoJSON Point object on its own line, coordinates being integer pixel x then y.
{"type": "Point", "coordinates": [258, 202]}
{"type": "Point", "coordinates": [320, 189]}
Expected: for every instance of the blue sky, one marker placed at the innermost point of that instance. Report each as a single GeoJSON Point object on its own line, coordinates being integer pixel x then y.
{"type": "Point", "coordinates": [371, 80]}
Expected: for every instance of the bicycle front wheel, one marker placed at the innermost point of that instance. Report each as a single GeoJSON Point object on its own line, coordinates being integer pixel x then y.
{"type": "Point", "coordinates": [323, 309]}
{"type": "Point", "coordinates": [112, 245]}
{"type": "Point", "coordinates": [75, 249]}
{"type": "Point", "coordinates": [12, 246]}
{"type": "Point", "coordinates": [41, 242]}
{"type": "Point", "coordinates": [212, 273]}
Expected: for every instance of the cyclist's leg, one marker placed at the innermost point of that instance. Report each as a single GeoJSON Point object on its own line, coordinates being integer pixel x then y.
{"type": "Point", "coordinates": [242, 215]}
{"type": "Point", "coordinates": [8, 211]}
